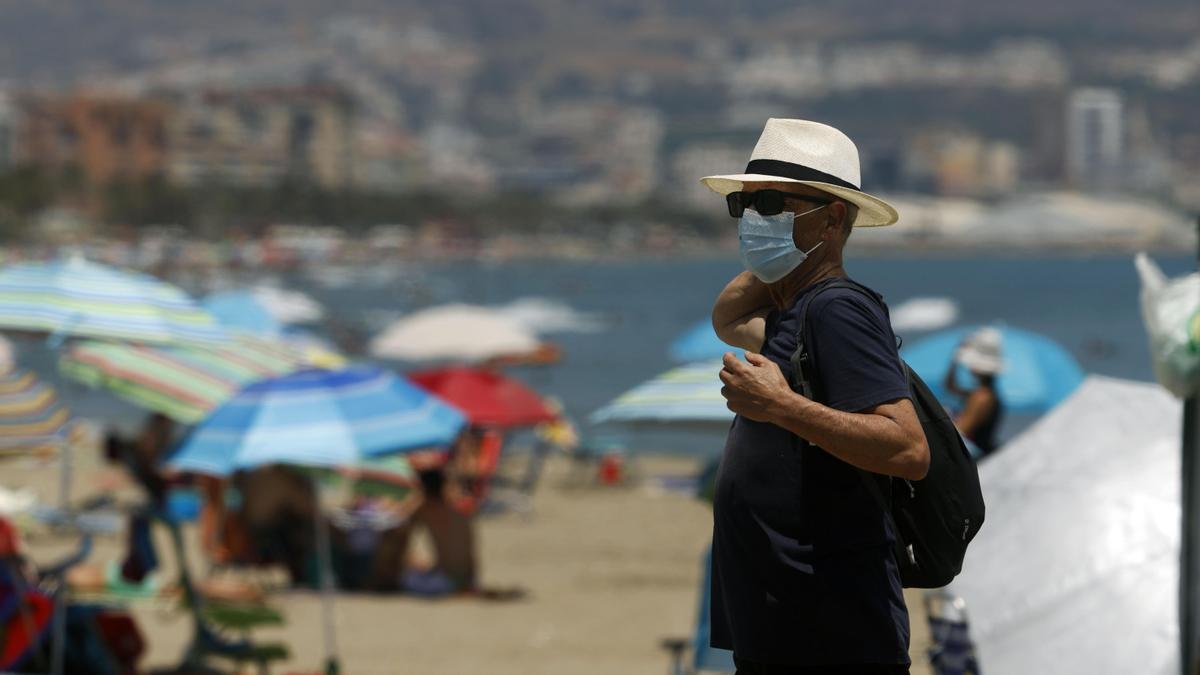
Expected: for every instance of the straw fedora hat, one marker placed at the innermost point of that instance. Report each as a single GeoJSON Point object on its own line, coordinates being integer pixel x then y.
{"type": "Point", "coordinates": [813, 154]}
{"type": "Point", "coordinates": [982, 352]}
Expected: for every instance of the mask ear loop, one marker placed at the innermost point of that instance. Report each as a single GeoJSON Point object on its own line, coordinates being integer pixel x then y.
{"type": "Point", "coordinates": [809, 251]}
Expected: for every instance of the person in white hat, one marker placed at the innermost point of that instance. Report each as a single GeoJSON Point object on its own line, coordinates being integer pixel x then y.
{"type": "Point", "coordinates": [982, 354]}
{"type": "Point", "coordinates": [804, 579]}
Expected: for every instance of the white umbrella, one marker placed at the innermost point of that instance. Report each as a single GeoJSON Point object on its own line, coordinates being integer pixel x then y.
{"type": "Point", "coordinates": [1075, 570]}
{"type": "Point", "coordinates": [459, 332]}
{"type": "Point", "coordinates": [287, 306]}
{"type": "Point", "coordinates": [924, 314]}
{"type": "Point", "coordinates": [543, 315]}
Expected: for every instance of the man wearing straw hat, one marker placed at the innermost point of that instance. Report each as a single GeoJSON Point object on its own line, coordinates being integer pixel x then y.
{"type": "Point", "coordinates": [803, 575]}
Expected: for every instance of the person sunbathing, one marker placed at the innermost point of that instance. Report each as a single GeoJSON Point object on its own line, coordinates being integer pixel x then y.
{"type": "Point", "coordinates": [453, 536]}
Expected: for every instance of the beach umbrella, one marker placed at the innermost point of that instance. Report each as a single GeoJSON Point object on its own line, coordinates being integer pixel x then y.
{"type": "Point", "coordinates": [544, 315]}
{"type": "Point", "coordinates": [488, 398]}
{"type": "Point", "coordinates": [77, 298]}
{"type": "Point", "coordinates": [31, 416]}
{"type": "Point", "coordinates": [1038, 372]}
{"type": "Point", "coordinates": [689, 394]}
{"type": "Point", "coordinates": [245, 313]}
{"type": "Point", "coordinates": [315, 419]}
{"type": "Point", "coordinates": [183, 383]}
{"type": "Point", "coordinates": [454, 332]}
{"type": "Point", "coordinates": [288, 306]}
{"type": "Point", "coordinates": [242, 310]}
{"type": "Point", "coordinates": [698, 343]}
{"type": "Point", "coordinates": [1075, 570]}
{"type": "Point", "coordinates": [921, 315]}
{"type": "Point", "coordinates": [263, 310]}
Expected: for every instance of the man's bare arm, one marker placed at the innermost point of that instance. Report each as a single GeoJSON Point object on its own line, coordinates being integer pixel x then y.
{"type": "Point", "coordinates": [886, 439]}
{"type": "Point", "coordinates": [739, 315]}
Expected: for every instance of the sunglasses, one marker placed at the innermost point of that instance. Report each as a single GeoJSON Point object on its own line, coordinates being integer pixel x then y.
{"type": "Point", "coordinates": [766, 202]}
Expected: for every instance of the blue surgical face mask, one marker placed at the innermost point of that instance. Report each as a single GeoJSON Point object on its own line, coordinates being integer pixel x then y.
{"type": "Point", "coordinates": [766, 244]}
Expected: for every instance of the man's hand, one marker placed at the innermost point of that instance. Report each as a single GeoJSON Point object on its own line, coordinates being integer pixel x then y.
{"type": "Point", "coordinates": [753, 389]}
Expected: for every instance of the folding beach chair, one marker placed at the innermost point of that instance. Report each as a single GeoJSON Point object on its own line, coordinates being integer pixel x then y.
{"type": "Point", "coordinates": [952, 652]}
{"type": "Point", "coordinates": [705, 659]}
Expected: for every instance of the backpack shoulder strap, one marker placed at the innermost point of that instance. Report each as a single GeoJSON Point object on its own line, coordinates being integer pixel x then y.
{"type": "Point", "coordinates": [801, 361]}
{"type": "Point", "coordinates": [802, 382]}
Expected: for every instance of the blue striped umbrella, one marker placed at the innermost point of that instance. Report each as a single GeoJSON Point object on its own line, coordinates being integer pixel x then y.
{"type": "Point", "coordinates": [1038, 372]}
{"type": "Point", "coordinates": [318, 418]}
{"type": "Point", "coordinates": [689, 394]}
{"type": "Point", "coordinates": [75, 297]}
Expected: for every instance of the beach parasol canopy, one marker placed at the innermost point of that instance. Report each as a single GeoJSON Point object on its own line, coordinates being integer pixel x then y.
{"type": "Point", "coordinates": [183, 383]}
{"type": "Point", "coordinates": [1075, 571]}
{"type": "Point", "coordinates": [263, 310]}
{"type": "Point", "coordinates": [1038, 372]}
{"type": "Point", "coordinates": [242, 311]}
{"type": "Point", "coordinates": [77, 298]}
{"type": "Point", "coordinates": [318, 418]}
{"type": "Point", "coordinates": [689, 394]}
{"type": "Point", "coordinates": [288, 306]}
{"type": "Point", "coordinates": [698, 343]}
{"type": "Point", "coordinates": [31, 416]}
{"type": "Point", "coordinates": [488, 398]}
{"type": "Point", "coordinates": [454, 332]}
{"type": "Point", "coordinates": [245, 313]}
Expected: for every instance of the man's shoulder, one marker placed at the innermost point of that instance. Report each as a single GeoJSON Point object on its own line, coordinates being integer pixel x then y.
{"type": "Point", "coordinates": [839, 298]}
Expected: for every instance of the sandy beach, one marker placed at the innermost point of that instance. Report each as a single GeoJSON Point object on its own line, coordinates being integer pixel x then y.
{"type": "Point", "coordinates": [607, 571]}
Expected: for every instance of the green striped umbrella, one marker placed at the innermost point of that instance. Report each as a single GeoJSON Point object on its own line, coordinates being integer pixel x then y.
{"type": "Point", "coordinates": [183, 383]}
{"type": "Point", "coordinates": [76, 298]}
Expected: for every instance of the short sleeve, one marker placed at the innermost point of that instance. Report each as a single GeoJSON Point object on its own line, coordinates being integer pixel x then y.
{"type": "Point", "coordinates": [854, 350]}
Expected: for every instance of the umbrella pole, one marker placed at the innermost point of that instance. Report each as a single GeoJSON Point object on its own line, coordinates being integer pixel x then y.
{"type": "Point", "coordinates": [64, 475]}
{"type": "Point", "coordinates": [325, 563]}
{"type": "Point", "coordinates": [1189, 544]}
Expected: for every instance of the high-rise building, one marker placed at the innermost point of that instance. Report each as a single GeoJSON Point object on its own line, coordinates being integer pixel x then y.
{"type": "Point", "coordinates": [1095, 148]}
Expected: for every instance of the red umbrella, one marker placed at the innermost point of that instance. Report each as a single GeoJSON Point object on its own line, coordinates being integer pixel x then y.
{"type": "Point", "coordinates": [486, 397]}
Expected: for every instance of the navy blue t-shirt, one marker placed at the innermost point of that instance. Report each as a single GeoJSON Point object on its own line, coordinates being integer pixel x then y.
{"type": "Point", "coordinates": [803, 572]}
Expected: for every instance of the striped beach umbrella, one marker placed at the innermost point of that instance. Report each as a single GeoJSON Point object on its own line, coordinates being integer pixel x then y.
{"type": "Point", "coordinates": [31, 416]}
{"type": "Point", "coordinates": [318, 418]}
{"type": "Point", "coordinates": [689, 394]}
{"type": "Point", "coordinates": [183, 383]}
{"type": "Point", "coordinates": [77, 298]}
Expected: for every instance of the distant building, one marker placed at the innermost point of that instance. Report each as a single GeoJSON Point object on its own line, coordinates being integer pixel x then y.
{"type": "Point", "coordinates": [259, 137]}
{"type": "Point", "coordinates": [960, 164]}
{"type": "Point", "coordinates": [103, 138]}
{"type": "Point", "coordinates": [1095, 149]}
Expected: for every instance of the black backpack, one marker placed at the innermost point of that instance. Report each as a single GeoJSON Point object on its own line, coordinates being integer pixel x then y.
{"type": "Point", "coordinates": [936, 517]}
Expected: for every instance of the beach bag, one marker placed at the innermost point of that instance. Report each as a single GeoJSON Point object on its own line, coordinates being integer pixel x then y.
{"type": "Point", "coordinates": [935, 518]}
{"type": "Point", "coordinates": [1171, 313]}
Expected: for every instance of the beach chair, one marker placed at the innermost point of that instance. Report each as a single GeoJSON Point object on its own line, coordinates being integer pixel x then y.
{"type": "Point", "coordinates": [42, 628]}
{"type": "Point", "coordinates": [215, 623]}
{"type": "Point", "coordinates": [952, 651]}
{"type": "Point", "coordinates": [704, 659]}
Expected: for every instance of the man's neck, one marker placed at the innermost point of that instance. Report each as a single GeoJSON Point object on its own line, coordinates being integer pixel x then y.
{"type": "Point", "coordinates": [786, 292]}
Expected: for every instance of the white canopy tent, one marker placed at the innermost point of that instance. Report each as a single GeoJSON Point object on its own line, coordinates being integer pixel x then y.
{"type": "Point", "coordinates": [1076, 568]}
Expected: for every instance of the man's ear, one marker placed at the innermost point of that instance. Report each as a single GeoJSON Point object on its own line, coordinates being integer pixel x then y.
{"type": "Point", "coordinates": [838, 213]}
